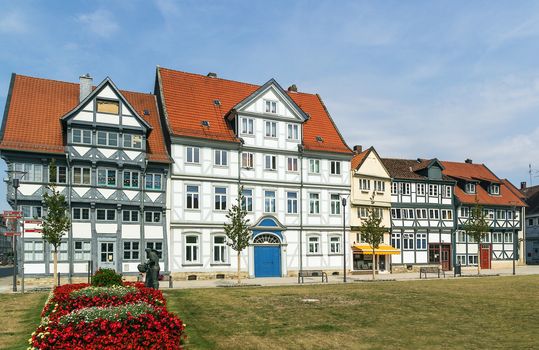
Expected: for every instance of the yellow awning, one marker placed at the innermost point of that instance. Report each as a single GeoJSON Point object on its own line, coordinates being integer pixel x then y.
{"type": "Point", "coordinates": [383, 249]}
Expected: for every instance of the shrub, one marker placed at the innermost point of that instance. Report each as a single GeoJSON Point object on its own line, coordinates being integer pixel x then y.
{"type": "Point", "coordinates": [106, 278]}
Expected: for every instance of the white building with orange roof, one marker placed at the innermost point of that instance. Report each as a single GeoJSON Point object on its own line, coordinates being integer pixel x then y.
{"type": "Point", "coordinates": [284, 149]}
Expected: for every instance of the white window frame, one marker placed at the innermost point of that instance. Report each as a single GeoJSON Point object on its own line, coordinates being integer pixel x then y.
{"type": "Point", "coordinates": [220, 158]}
{"type": "Point", "coordinates": [34, 250]}
{"type": "Point", "coordinates": [270, 201]}
{"type": "Point", "coordinates": [133, 216]}
{"type": "Point", "coordinates": [107, 184]}
{"type": "Point", "coordinates": [270, 129]}
{"type": "Point", "coordinates": [154, 217]}
{"type": "Point", "coordinates": [421, 214]}
{"type": "Point", "coordinates": [292, 164]}
{"type": "Point", "coordinates": [365, 185]}
{"type": "Point", "coordinates": [394, 188]}
{"type": "Point", "coordinates": [335, 167]}
{"type": "Point", "coordinates": [58, 172]}
{"type": "Point", "coordinates": [272, 159]}
{"type": "Point", "coordinates": [84, 253]}
{"type": "Point", "coordinates": [78, 214]}
{"type": "Point", "coordinates": [396, 240]}
{"type": "Point", "coordinates": [464, 212]}
{"type": "Point", "coordinates": [494, 189]}
{"type": "Point", "coordinates": [447, 191]}
{"type": "Point", "coordinates": [194, 197]}
{"type": "Point", "coordinates": [421, 241]}
{"type": "Point", "coordinates": [270, 106]}
{"type": "Point", "coordinates": [107, 135]}
{"type": "Point", "coordinates": [470, 187]}
{"type": "Point", "coordinates": [434, 190]}
{"type": "Point", "coordinates": [379, 186]}
{"type": "Point", "coordinates": [404, 188]}
{"type": "Point", "coordinates": [508, 237]}
{"type": "Point", "coordinates": [130, 141]}
{"type": "Point", "coordinates": [133, 176]}
{"type": "Point", "coordinates": [420, 189]}
{"type": "Point", "coordinates": [151, 185]}
{"type": "Point", "coordinates": [221, 248]}
{"type": "Point", "coordinates": [63, 250]}
{"type": "Point", "coordinates": [247, 205]}
{"type": "Point", "coordinates": [314, 203]}
{"type": "Point", "coordinates": [106, 212]}
{"type": "Point", "coordinates": [447, 214]}
{"type": "Point", "coordinates": [33, 172]}
{"type": "Point", "coordinates": [314, 166]}
{"type": "Point", "coordinates": [335, 204]}
{"type": "Point", "coordinates": [501, 214]}
{"type": "Point", "coordinates": [132, 248]}
{"type": "Point", "coordinates": [334, 245]}
{"type": "Point", "coordinates": [81, 171]}
{"type": "Point", "coordinates": [31, 211]}
{"type": "Point", "coordinates": [497, 237]}
{"type": "Point", "coordinates": [292, 132]}
{"type": "Point", "coordinates": [313, 245]}
{"type": "Point", "coordinates": [192, 155]}
{"type": "Point", "coordinates": [247, 126]}
{"type": "Point", "coordinates": [83, 134]}
{"type": "Point", "coordinates": [220, 200]}
{"type": "Point", "coordinates": [291, 202]}
{"type": "Point", "coordinates": [193, 249]}
{"type": "Point", "coordinates": [436, 213]}
{"type": "Point", "coordinates": [408, 241]}
{"type": "Point", "coordinates": [362, 212]}
{"type": "Point", "coordinates": [247, 157]}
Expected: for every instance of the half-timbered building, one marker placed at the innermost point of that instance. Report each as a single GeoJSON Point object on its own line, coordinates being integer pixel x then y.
{"type": "Point", "coordinates": [531, 223]}
{"type": "Point", "coordinates": [422, 213]}
{"type": "Point", "coordinates": [111, 165]}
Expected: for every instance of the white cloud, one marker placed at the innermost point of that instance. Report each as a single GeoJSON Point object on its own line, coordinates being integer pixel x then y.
{"type": "Point", "coordinates": [100, 22]}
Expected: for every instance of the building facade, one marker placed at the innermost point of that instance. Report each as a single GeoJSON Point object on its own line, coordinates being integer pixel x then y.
{"type": "Point", "coordinates": [111, 164]}
{"type": "Point", "coordinates": [531, 223]}
{"type": "Point", "coordinates": [422, 213]}
{"type": "Point", "coordinates": [503, 209]}
{"type": "Point", "coordinates": [286, 153]}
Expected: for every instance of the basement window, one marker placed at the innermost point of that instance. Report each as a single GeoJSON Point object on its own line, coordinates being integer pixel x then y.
{"type": "Point", "coordinates": [108, 106]}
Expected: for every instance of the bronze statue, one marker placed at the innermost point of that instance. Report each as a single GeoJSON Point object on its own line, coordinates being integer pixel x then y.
{"type": "Point", "coordinates": [151, 267]}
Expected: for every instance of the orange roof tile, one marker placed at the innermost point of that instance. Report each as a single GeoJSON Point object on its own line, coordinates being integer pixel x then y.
{"type": "Point", "coordinates": [32, 122]}
{"type": "Point", "coordinates": [189, 99]}
{"type": "Point", "coordinates": [359, 158]}
{"type": "Point", "coordinates": [469, 172]}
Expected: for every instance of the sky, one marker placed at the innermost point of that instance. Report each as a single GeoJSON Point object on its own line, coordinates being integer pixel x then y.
{"type": "Point", "coordinates": [445, 79]}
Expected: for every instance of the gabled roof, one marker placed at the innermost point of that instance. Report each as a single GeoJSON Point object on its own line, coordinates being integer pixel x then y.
{"type": "Point", "coordinates": [188, 99]}
{"type": "Point", "coordinates": [479, 172]}
{"type": "Point", "coordinates": [359, 159]}
{"type": "Point", "coordinates": [35, 106]}
{"type": "Point", "coordinates": [514, 189]}
{"type": "Point", "coordinates": [408, 168]}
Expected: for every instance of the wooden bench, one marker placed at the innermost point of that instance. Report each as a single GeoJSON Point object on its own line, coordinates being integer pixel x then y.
{"type": "Point", "coordinates": [312, 273]}
{"type": "Point", "coordinates": [430, 269]}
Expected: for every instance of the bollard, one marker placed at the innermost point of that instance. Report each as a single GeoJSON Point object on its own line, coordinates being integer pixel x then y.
{"type": "Point", "coordinates": [58, 279]}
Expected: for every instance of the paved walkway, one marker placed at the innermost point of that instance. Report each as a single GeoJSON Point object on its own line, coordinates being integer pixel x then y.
{"type": "Point", "coordinates": [6, 282]}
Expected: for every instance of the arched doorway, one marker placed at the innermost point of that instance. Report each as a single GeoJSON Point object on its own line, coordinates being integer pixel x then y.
{"type": "Point", "coordinates": [267, 255]}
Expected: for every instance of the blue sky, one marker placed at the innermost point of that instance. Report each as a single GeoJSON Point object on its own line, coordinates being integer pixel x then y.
{"type": "Point", "coordinates": [446, 79]}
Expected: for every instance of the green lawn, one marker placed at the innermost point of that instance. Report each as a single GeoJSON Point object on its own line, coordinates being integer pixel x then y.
{"type": "Point", "coordinates": [493, 312]}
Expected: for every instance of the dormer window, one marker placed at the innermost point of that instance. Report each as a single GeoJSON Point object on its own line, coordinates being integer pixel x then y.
{"type": "Point", "coordinates": [494, 189]}
{"type": "Point", "coordinates": [270, 106]}
{"type": "Point", "coordinates": [108, 106]}
{"type": "Point", "coordinates": [470, 187]}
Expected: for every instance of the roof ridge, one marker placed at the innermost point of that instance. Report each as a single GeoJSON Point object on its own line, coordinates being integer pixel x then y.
{"type": "Point", "coordinates": [45, 79]}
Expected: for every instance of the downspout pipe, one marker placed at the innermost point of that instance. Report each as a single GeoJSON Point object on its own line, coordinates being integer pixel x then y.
{"type": "Point", "coordinates": [300, 150]}
{"type": "Point", "coordinates": [70, 244]}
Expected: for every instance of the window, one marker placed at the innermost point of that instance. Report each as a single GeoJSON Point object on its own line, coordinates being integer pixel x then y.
{"type": "Point", "coordinates": [407, 213]}
{"type": "Point", "coordinates": [191, 249]}
{"type": "Point", "coordinates": [485, 237]}
{"type": "Point", "coordinates": [292, 164]}
{"type": "Point", "coordinates": [421, 241]}
{"type": "Point", "coordinates": [247, 203]}
{"type": "Point", "coordinates": [219, 250]}
{"type": "Point", "coordinates": [335, 245]}
{"type": "Point", "coordinates": [31, 211]}
{"type": "Point", "coordinates": [81, 214]}
{"type": "Point", "coordinates": [59, 176]}
{"type": "Point", "coordinates": [82, 250]}
{"type": "Point", "coordinates": [107, 106]}
{"type": "Point", "coordinates": [292, 132]}
{"type": "Point", "coordinates": [447, 191]}
{"type": "Point", "coordinates": [133, 141]}
{"type": "Point", "coordinates": [396, 213]}
{"type": "Point", "coordinates": [131, 179]}
{"type": "Point", "coordinates": [153, 181]}
{"type": "Point", "coordinates": [105, 138]}
{"type": "Point", "coordinates": [508, 237]}
{"type": "Point", "coordinates": [470, 187]}
{"type": "Point", "coordinates": [314, 245]}
{"type": "Point", "coordinates": [335, 204]}
{"type": "Point", "coordinates": [472, 259]}
{"type": "Point", "coordinates": [33, 250]}
{"type": "Point", "coordinates": [220, 157]}
{"type": "Point", "coordinates": [314, 203]}
{"type": "Point", "coordinates": [379, 186]}
{"type": "Point", "coordinates": [394, 188]}
{"type": "Point", "coordinates": [365, 184]}
{"type": "Point", "coordinates": [404, 188]}
{"type": "Point", "coordinates": [270, 129]}
{"type": "Point", "coordinates": [447, 214]}
{"type": "Point", "coordinates": [82, 176]}
{"type": "Point", "coordinates": [270, 162]}
{"type": "Point", "coordinates": [495, 189]}
{"type": "Point", "coordinates": [510, 215]}
{"type": "Point", "coordinates": [461, 236]}
{"type": "Point", "coordinates": [379, 212]}
{"type": "Point", "coordinates": [192, 197]}
{"type": "Point", "coordinates": [408, 241]}
{"type": "Point", "coordinates": [106, 177]}
{"type": "Point", "coordinates": [396, 240]}
{"type": "Point", "coordinates": [434, 214]}
{"type": "Point", "coordinates": [81, 136]}
{"type": "Point", "coordinates": [130, 216]}
{"type": "Point", "coordinates": [497, 237]}
{"type": "Point", "coordinates": [152, 217]}
{"type": "Point", "coordinates": [421, 213]}
{"type": "Point", "coordinates": [34, 172]}
{"type": "Point", "coordinates": [269, 201]}
{"type": "Point", "coordinates": [131, 250]}
{"type": "Point", "coordinates": [247, 126]}
{"type": "Point", "coordinates": [464, 212]}
{"type": "Point", "coordinates": [157, 246]}
{"type": "Point", "coordinates": [314, 166]}
{"type": "Point", "coordinates": [106, 214]}
{"type": "Point", "coordinates": [335, 167]}
{"type": "Point", "coordinates": [193, 155]}
{"type": "Point", "coordinates": [420, 189]}
{"type": "Point", "coordinates": [530, 222]}
{"type": "Point", "coordinates": [62, 251]}
{"type": "Point", "coordinates": [433, 190]}
{"type": "Point", "coordinates": [270, 106]}
{"type": "Point", "coordinates": [489, 213]}
{"type": "Point", "coordinates": [220, 197]}
{"type": "Point", "coordinates": [292, 202]}
{"type": "Point", "coordinates": [461, 259]}
{"type": "Point", "coordinates": [363, 212]}
{"type": "Point", "coordinates": [247, 160]}
{"type": "Point", "coordinates": [500, 214]}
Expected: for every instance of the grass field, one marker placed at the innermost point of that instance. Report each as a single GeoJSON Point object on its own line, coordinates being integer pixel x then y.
{"type": "Point", "coordinates": [493, 312]}
{"type": "Point", "coordinates": [472, 313]}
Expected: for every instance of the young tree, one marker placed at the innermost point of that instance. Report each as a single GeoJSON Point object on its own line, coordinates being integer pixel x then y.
{"type": "Point", "coordinates": [237, 230]}
{"type": "Point", "coordinates": [475, 227]}
{"type": "Point", "coordinates": [56, 222]}
{"type": "Point", "coordinates": [372, 232]}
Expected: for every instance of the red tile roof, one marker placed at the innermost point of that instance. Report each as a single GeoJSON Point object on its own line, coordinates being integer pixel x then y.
{"type": "Point", "coordinates": [36, 106]}
{"type": "Point", "coordinates": [189, 99]}
{"type": "Point", "coordinates": [359, 158]}
{"type": "Point", "coordinates": [514, 189]}
{"type": "Point", "coordinates": [480, 172]}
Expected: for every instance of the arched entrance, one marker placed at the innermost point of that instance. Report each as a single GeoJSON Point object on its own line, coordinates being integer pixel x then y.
{"type": "Point", "coordinates": [267, 252]}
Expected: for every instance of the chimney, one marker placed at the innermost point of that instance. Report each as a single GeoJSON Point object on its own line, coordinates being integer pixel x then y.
{"type": "Point", "coordinates": [212, 75]}
{"type": "Point", "coordinates": [523, 185]}
{"type": "Point", "coordinates": [293, 88]}
{"type": "Point", "coordinates": [85, 82]}
{"type": "Point", "coordinates": [468, 161]}
{"type": "Point", "coordinates": [358, 149]}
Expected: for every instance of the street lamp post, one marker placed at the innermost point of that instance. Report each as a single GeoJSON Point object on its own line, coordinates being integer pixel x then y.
{"type": "Point", "coordinates": [15, 183]}
{"type": "Point", "coordinates": [343, 201]}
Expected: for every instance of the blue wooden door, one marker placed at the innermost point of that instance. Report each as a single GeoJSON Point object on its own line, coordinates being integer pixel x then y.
{"type": "Point", "coordinates": [267, 261]}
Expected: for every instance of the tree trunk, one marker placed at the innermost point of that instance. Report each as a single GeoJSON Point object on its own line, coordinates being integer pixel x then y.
{"type": "Point", "coordinates": [479, 257]}
{"type": "Point", "coordinates": [239, 276]}
{"type": "Point", "coordinates": [373, 265]}
{"type": "Point", "coordinates": [55, 257]}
